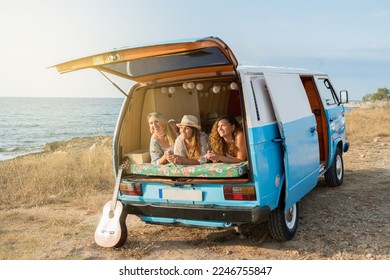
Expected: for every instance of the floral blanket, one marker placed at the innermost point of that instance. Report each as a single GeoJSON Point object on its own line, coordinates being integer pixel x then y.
{"type": "Point", "coordinates": [207, 170]}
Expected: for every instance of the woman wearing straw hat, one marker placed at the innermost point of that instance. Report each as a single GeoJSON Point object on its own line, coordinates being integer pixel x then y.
{"type": "Point", "coordinates": [191, 145]}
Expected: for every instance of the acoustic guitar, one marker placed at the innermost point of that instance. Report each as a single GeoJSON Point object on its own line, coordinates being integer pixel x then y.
{"type": "Point", "coordinates": [111, 230]}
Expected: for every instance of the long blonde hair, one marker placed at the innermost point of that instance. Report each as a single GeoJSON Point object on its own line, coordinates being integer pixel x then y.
{"type": "Point", "coordinates": [170, 135]}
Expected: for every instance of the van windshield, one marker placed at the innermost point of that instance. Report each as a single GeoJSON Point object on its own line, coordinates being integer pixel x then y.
{"type": "Point", "coordinates": [165, 63]}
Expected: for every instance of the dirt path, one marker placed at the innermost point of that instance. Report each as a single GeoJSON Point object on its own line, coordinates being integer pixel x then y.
{"type": "Point", "coordinates": [350, 222]}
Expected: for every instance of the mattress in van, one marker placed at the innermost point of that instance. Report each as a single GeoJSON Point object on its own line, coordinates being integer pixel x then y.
{"type": "Point", "coordinates": [207, 170]}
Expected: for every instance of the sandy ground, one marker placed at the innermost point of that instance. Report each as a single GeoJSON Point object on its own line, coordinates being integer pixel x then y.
{"type": "Point", "coordinates": [349, 222]}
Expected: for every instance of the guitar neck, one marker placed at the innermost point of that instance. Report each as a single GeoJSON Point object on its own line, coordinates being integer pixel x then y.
{"type": "Point", "coordinates": [116, 189]}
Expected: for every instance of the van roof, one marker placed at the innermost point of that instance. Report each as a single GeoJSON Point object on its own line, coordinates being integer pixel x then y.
{"type": "Point", "coordinates": [258, 70]}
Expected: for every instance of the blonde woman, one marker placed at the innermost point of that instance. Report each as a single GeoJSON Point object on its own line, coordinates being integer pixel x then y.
{"type": "Point", "coordinates": [227, 141]}
{"type": "Point", "coordinates": [162, 140]}
{"type": "Point", "coordinates": [191, 145]}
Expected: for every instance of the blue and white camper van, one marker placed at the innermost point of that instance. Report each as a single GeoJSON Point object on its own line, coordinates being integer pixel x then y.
{"type": "Point", "coordinates": [294, 129]}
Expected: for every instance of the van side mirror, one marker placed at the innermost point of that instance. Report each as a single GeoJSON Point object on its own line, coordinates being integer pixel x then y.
{"type": "Point", "coordinates": [343, 96]}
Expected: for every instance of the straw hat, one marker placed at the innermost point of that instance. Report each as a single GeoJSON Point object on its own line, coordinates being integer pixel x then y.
{"type": "Point", "coordinates": [189, 120]}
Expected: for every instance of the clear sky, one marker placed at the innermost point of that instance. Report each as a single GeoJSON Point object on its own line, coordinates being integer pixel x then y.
{"type": "Point", "coordinates": [348, 39]}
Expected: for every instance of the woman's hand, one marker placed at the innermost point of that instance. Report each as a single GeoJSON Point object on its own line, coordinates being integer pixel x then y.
{"type": "Point", "coordinates": [165, 157]}
{"type": "Point", "coordinates": [173, 158]}
{"type": "Point", "coordinates": [177, 159]}
{"type": "Point", "coordinates": [168, 155]}
{"type": "Point", "coordinates": [212, 156]}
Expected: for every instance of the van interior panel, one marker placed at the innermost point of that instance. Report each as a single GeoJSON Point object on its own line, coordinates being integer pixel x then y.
{"type": "Point", "coordinates": [205, 99]}
{"type": "Point", "coordinates": [318, 111]}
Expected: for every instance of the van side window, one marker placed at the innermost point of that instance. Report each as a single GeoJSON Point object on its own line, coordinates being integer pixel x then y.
{"type": "Point", "coordinates": [255, 101]}
{"type": "Point", "coordinates": [327, 92]}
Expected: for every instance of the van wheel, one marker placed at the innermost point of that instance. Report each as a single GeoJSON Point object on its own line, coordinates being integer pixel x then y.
{"type": "Point", "coordinates": [283, 224]}
{"type": "Point", "coordinates": [335, 175]}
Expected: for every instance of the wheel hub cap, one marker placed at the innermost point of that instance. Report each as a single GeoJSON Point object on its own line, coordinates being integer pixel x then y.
{"type": "Point", "coordinates": [290, 216]}
{"type": "Point", "coordinates": [339, 167]}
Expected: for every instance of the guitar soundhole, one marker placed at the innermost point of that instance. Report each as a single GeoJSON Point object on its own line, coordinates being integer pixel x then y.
{"type": "Point", "coordinates": [111, 214]}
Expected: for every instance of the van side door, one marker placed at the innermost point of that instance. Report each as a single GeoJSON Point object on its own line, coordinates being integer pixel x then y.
{"type": "Point", "coordinates": [334, 113]}
{"type": "Point", "coordinates": [297, 125]}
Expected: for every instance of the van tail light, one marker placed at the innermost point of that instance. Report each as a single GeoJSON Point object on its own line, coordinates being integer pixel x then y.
{"type": "Point", "coordinates": [131, 189]}
{"type": "Point", "coordinates": [239, 193]}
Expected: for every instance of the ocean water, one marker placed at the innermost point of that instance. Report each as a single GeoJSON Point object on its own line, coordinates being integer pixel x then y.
{"type": "Point", "coordinates": [27, 124]}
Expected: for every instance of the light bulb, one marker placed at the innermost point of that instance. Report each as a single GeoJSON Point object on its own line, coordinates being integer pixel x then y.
{"type": "Point", "coordinates": [233, 86]}
{"type": "Point", "coordinates": [199, 86]}
{"type": "Point", "coordinates": [216, 89]}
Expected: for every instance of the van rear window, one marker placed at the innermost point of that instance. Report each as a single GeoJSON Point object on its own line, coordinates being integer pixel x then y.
{"type": "Point", "coordinates": [165, 63]}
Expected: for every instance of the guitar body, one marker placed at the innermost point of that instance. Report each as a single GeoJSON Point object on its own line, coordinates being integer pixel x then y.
{"type": "Point", "coordinates": [112, 230]}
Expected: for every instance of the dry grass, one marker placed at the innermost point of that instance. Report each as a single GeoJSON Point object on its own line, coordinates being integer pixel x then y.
{"type": "Point", "coordinates": [364, 125]}
{"type": "Point", "coordinates": [56, 177]}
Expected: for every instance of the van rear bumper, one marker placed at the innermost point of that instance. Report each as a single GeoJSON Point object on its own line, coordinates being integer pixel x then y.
{"type": "Point", "coordinates": [256, 214]}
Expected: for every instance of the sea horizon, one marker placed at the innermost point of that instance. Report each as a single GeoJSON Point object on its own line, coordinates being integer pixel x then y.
{"type": "Point", "coordinates": [28, 123]}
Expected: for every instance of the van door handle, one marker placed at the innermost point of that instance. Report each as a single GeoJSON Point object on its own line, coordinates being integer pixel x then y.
{"type": "Point", "coordinates": [277, 140]}
{"type": "Point", "coordinates": [313, 129]}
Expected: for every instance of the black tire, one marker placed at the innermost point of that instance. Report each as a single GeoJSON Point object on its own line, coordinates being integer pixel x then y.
{"type": "Point", "coordinates": [335, 175]}
{"type": "Point", "coordinates": [284, 224]}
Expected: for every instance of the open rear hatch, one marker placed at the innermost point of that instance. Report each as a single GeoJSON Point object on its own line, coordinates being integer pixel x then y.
{"type": "Point", "coordinates": [160, 61]}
